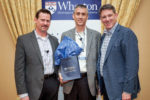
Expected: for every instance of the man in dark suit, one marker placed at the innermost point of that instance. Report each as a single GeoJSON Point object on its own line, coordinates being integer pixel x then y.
{"type": "Point", "coordinates": [88, 39]}
{"type": "Point", "coordinates": [118, 60]}
{"type": "Point", "coordinates": [35, 74]}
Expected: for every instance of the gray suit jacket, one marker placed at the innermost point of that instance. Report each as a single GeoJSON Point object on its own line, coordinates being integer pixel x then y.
{"type": "Point", "coordinates": [29, 70]}
{"type": "Point", "coordinates": [93, 39]}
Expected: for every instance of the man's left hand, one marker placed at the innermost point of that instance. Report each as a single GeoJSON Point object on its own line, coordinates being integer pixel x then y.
{"type": "Point", "coordinates": [126, 96]}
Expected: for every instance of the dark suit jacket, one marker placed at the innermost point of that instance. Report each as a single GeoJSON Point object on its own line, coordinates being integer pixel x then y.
{"type": "Point", "coordinates": [121, 64]}
{"type": "Point", "coordinates": [93, 39]}
{"type": "Point", "coordinates": [29, 70]}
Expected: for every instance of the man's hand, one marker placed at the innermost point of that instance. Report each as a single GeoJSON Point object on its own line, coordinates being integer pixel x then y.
{"type": "Point", "coordinates": [98, 91]}
{"type": "Point", "coordinates": [61, 80]}
{"type": "Point", "coordinates": [126, 96]}
{"type": "Point", "coordinates": [25, 98]}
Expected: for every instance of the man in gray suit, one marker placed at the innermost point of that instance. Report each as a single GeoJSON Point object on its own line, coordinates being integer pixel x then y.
{"type": "Point", "coordinates": [85, 87]}
{"type": "Point", "coordinates": [35, 74]}
{"type": "Point", "coordinates": [118, 60]}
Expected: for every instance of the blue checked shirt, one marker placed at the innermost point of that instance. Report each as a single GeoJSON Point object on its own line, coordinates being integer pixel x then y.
{"type": "Point", "coordinates": [108, 35]}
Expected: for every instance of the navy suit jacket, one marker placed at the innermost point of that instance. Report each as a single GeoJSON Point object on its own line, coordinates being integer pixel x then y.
{"type": "Point", "coordinates": [121, 64]}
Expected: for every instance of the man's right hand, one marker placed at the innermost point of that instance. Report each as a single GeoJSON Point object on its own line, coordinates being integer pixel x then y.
{"type": "Point", "coordinates": [25, 98]}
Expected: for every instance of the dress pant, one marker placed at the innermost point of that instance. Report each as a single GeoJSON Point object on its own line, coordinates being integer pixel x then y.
{"type": "Point", "coordinates": [105, 96]}
{"type": "Point", "coordinates": [80, 90]}
{"type": "Point", "coordinates": [50, 88]}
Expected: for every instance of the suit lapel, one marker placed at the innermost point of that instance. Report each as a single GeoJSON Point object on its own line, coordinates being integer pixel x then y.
{"type": "Point", "coordinates": [88, 39]}
{"type": "Point", "coordinates": [102, 38]}
{"type": "Point", "coordinates": [101, 42]}
{"type": "Point", "coordinates": [36, 46]}
{"type": "Point", "coordinates": [52, 43]}
{"type": "Point", "coordinates": [72, 34]}
{"type": "Point", "coordinates": [112, 41]}
{"type": "Point", "coordinates": [53, 46]}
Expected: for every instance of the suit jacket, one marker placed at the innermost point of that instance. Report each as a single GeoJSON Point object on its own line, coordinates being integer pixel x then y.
{"type": "Point", "coordinates": [93, 39]}
{"type": "Point", "coordinates": [29, 68]}
{"type": "Point", "coordinates": [121, 64]}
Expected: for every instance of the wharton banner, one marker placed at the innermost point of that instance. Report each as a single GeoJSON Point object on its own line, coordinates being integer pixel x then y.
{"type": "Point", "coordinates": [63, 9]}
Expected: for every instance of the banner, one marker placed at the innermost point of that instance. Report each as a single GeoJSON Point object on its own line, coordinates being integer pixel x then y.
{"type": "Point", "coordinates": [62, 11]}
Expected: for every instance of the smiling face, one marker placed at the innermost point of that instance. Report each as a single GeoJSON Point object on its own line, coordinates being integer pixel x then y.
{"type": "Point", "coordinates": [108, 18]}
{"type": "Point", "coordinates": [80, 16]}
{"type": "Point", "coordinates": [42, 22]}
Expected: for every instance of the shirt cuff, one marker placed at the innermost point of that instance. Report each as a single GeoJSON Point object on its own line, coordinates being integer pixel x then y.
{"type": "Point", "coordinates": [23, 95]}
{"type": "Point", "coordinates": [126, 92]}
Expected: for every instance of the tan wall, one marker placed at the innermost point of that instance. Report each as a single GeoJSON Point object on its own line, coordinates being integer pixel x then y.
{"type": "Point", "coordinates": [7, 49]}
{"type": "Point", "coordinates": [140, 25]}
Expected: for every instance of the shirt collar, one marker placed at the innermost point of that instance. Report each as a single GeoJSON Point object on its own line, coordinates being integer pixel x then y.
{"type": "Point", "coordinates": [40, 37]}
{"type": "Point", "coordinates": [84, 32]}
{"type": "Point", "coordinates": [111, 31]}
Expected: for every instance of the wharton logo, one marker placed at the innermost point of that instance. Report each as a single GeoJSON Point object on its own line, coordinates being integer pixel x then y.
{"type": "Point", "coordinates": [63, 9]}
{"type": "Point", "coordinates": [51, 6]}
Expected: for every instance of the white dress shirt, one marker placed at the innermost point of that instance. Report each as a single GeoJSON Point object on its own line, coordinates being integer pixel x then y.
{"type": "Point", "coordinates": [46, 53]}
{"type": "Point", "coordinates": [81, 40]}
